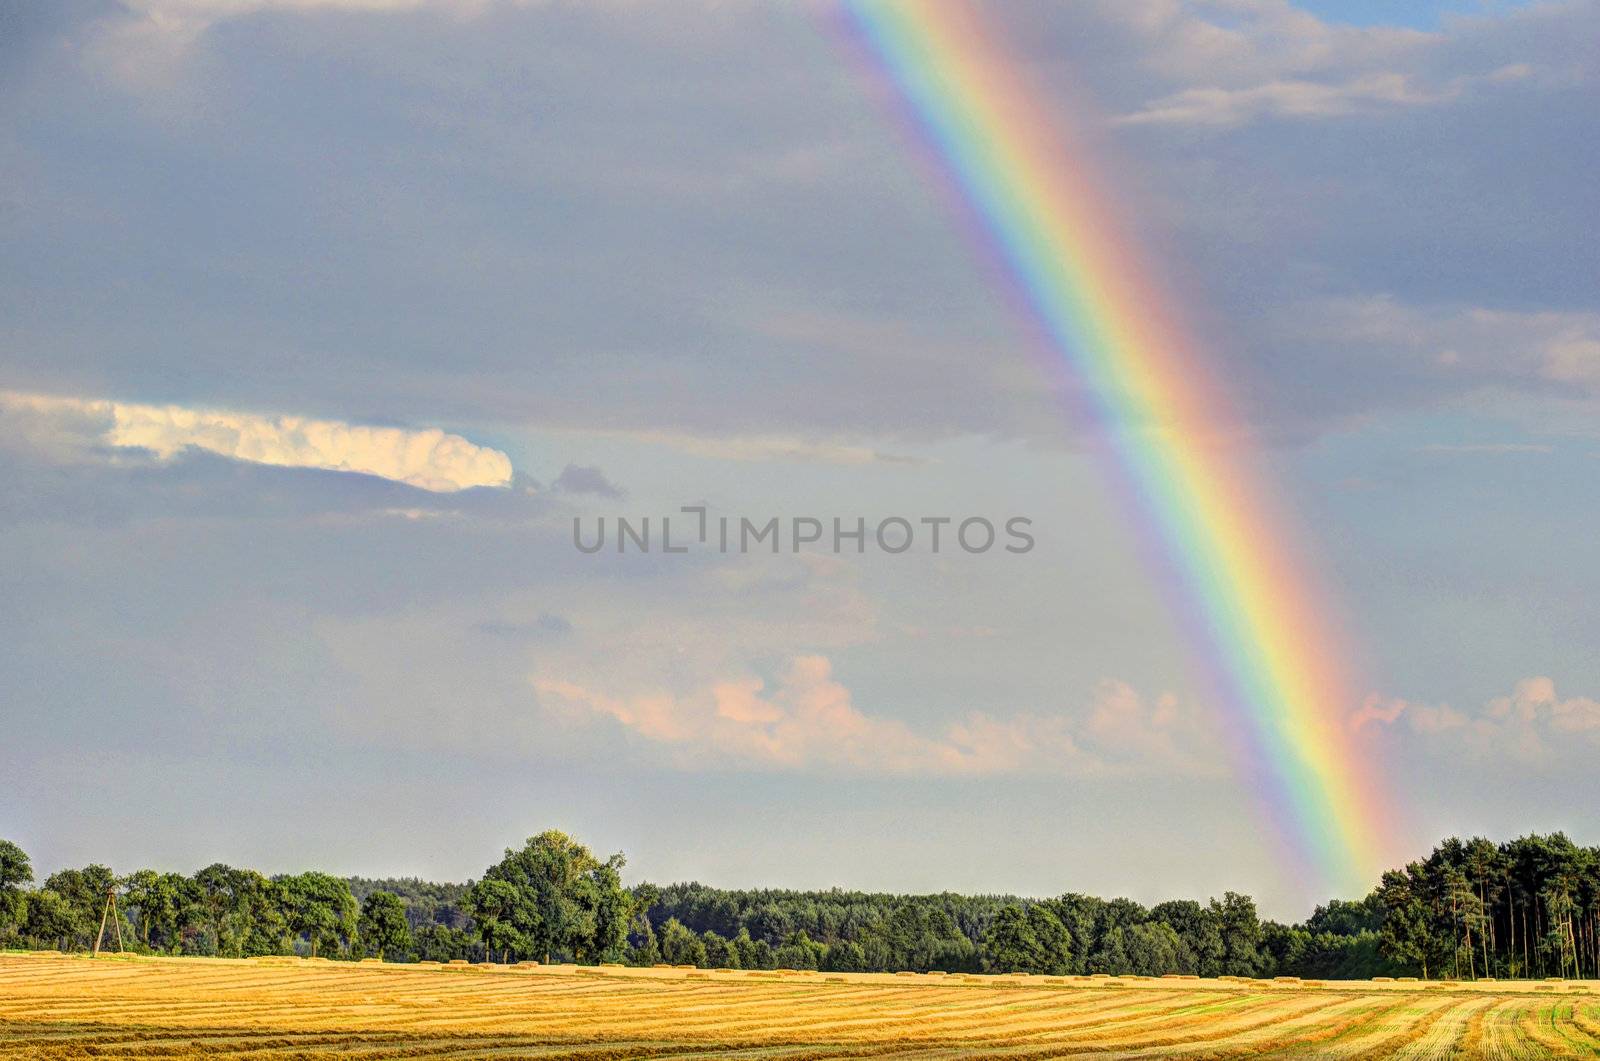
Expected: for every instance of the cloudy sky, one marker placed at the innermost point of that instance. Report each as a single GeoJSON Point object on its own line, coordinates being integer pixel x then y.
{"type": "Point", "coordinates": [320, 322]}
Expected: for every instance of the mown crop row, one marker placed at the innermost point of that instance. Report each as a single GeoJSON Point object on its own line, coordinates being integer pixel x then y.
{"type": "Point", "coordinates": [63, 1006]}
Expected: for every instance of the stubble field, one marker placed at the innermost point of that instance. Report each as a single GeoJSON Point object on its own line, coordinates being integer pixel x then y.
{"type": "Point", "coordinates": [57, 1006]}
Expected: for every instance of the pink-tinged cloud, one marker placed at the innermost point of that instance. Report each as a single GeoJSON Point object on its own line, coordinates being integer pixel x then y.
{"type": "Point", "coordinates": [808, 719]}
{"type": "Point", "coordinates": [1534, 722]}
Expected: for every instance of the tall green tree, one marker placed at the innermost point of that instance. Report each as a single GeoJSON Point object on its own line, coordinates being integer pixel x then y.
{"type": "Point", "coordinates": [85, 893]}
{"type": "Point", "coordinates": [383, 926]}
{"type": "Point", "coordinates": [321, 909]}
{"type": "Point", "coordinates": [680, 946]}
{"type": "Point", "coordinates": [152, 904]}
{"type": "Point", "coordinates": [754, 953]}
{"type": "Point", "coordinates": [1240, 930]}
{"type": "Point", "coordinates": [16, 872]}
{"type": "Point", "coordinates": [15, 869]}
{"type": "Point", "coordinates": [720, 952]}
{"type": "Point", "coordinates": [1010, 945]}
{"type": "Point", "coordinates": [1407, 934]}
{"type": "Point", "coordinates": [50, 921]}
{"type": "Point", "coordinates": [495, 908]}
{"type": "Point", "coordinates": [568, 902]}
{"type": "Point", "coordinates": [1200, 928]}
{"type": "Point", "coordinates": [1028, 939]}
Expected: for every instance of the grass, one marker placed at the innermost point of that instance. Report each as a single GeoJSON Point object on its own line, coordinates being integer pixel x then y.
{"type": "Point", "coordinates": [55, 1006]}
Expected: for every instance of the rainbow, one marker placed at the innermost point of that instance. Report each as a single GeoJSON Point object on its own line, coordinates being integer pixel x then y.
{"type": "Point", "coordinates": [1259, 629]}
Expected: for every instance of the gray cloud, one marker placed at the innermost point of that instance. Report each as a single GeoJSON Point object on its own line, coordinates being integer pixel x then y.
{"type": "Point", "coordinates": [578, 479]}
{"type": "Point", "coordinates": [755, 254]}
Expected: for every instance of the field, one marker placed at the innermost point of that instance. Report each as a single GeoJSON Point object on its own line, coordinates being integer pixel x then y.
{"type": "Point", "coordinates": [56, 1006]}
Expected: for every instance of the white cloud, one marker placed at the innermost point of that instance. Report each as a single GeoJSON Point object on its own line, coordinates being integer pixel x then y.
{"type": "Point", "coordinates": [1470, 343]}
{"type": "Point", "coordinates": [1573, 356]}
{"type": "Point", "coordinates": [427, 458]}
{"type": "Point", "coordinates": [1230, 62]}
{"type": "Point", "coordinates": [1533, 723]}
{"type": "Point", "coordinates": [808, 720]}
{"type": "Point", "coordinates": [147, 48]}
{"type": "Point", "coordinates": [1297, 98]}
{"type": "Point", "coordinates": [1238, 43]}
{"type": "Point", "coordinates": [1289, 99]}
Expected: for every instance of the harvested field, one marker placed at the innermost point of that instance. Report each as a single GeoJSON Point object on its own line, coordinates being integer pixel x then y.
{"type": "Point", "coordinates": [54, 1006]}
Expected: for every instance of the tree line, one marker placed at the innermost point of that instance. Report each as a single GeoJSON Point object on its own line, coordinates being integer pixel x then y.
{"type": "Point", "coordinates": [1526, 908]}
{"type": "Point", "coordinates": [551, 898]}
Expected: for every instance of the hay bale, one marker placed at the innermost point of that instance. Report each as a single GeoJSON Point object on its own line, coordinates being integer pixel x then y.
{"type": "Point", "coordinates": [1406, 979]}
{"type": "Point", "coordinates": [1383, 979]}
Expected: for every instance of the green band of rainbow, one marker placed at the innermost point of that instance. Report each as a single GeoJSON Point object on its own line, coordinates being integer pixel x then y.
{"type": "Point", "coordinates": [1261, 633]}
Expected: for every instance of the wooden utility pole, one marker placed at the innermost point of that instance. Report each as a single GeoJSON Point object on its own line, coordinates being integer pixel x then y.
{"type": "Point", "coordinates": [110, 911]}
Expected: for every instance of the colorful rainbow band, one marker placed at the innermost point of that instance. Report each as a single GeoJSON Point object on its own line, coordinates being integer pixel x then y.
{"type": "Point", "coordinates": [1266, 643]}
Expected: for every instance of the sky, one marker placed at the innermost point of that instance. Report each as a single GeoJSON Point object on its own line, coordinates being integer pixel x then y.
{"type": "Point", "coordinates": [321, 324]}
{"type": "Point", "coordinates": [1417, 14]}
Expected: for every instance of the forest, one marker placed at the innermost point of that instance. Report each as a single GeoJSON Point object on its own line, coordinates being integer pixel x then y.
{"type": "Point", "coordinates": [1472, 909]}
